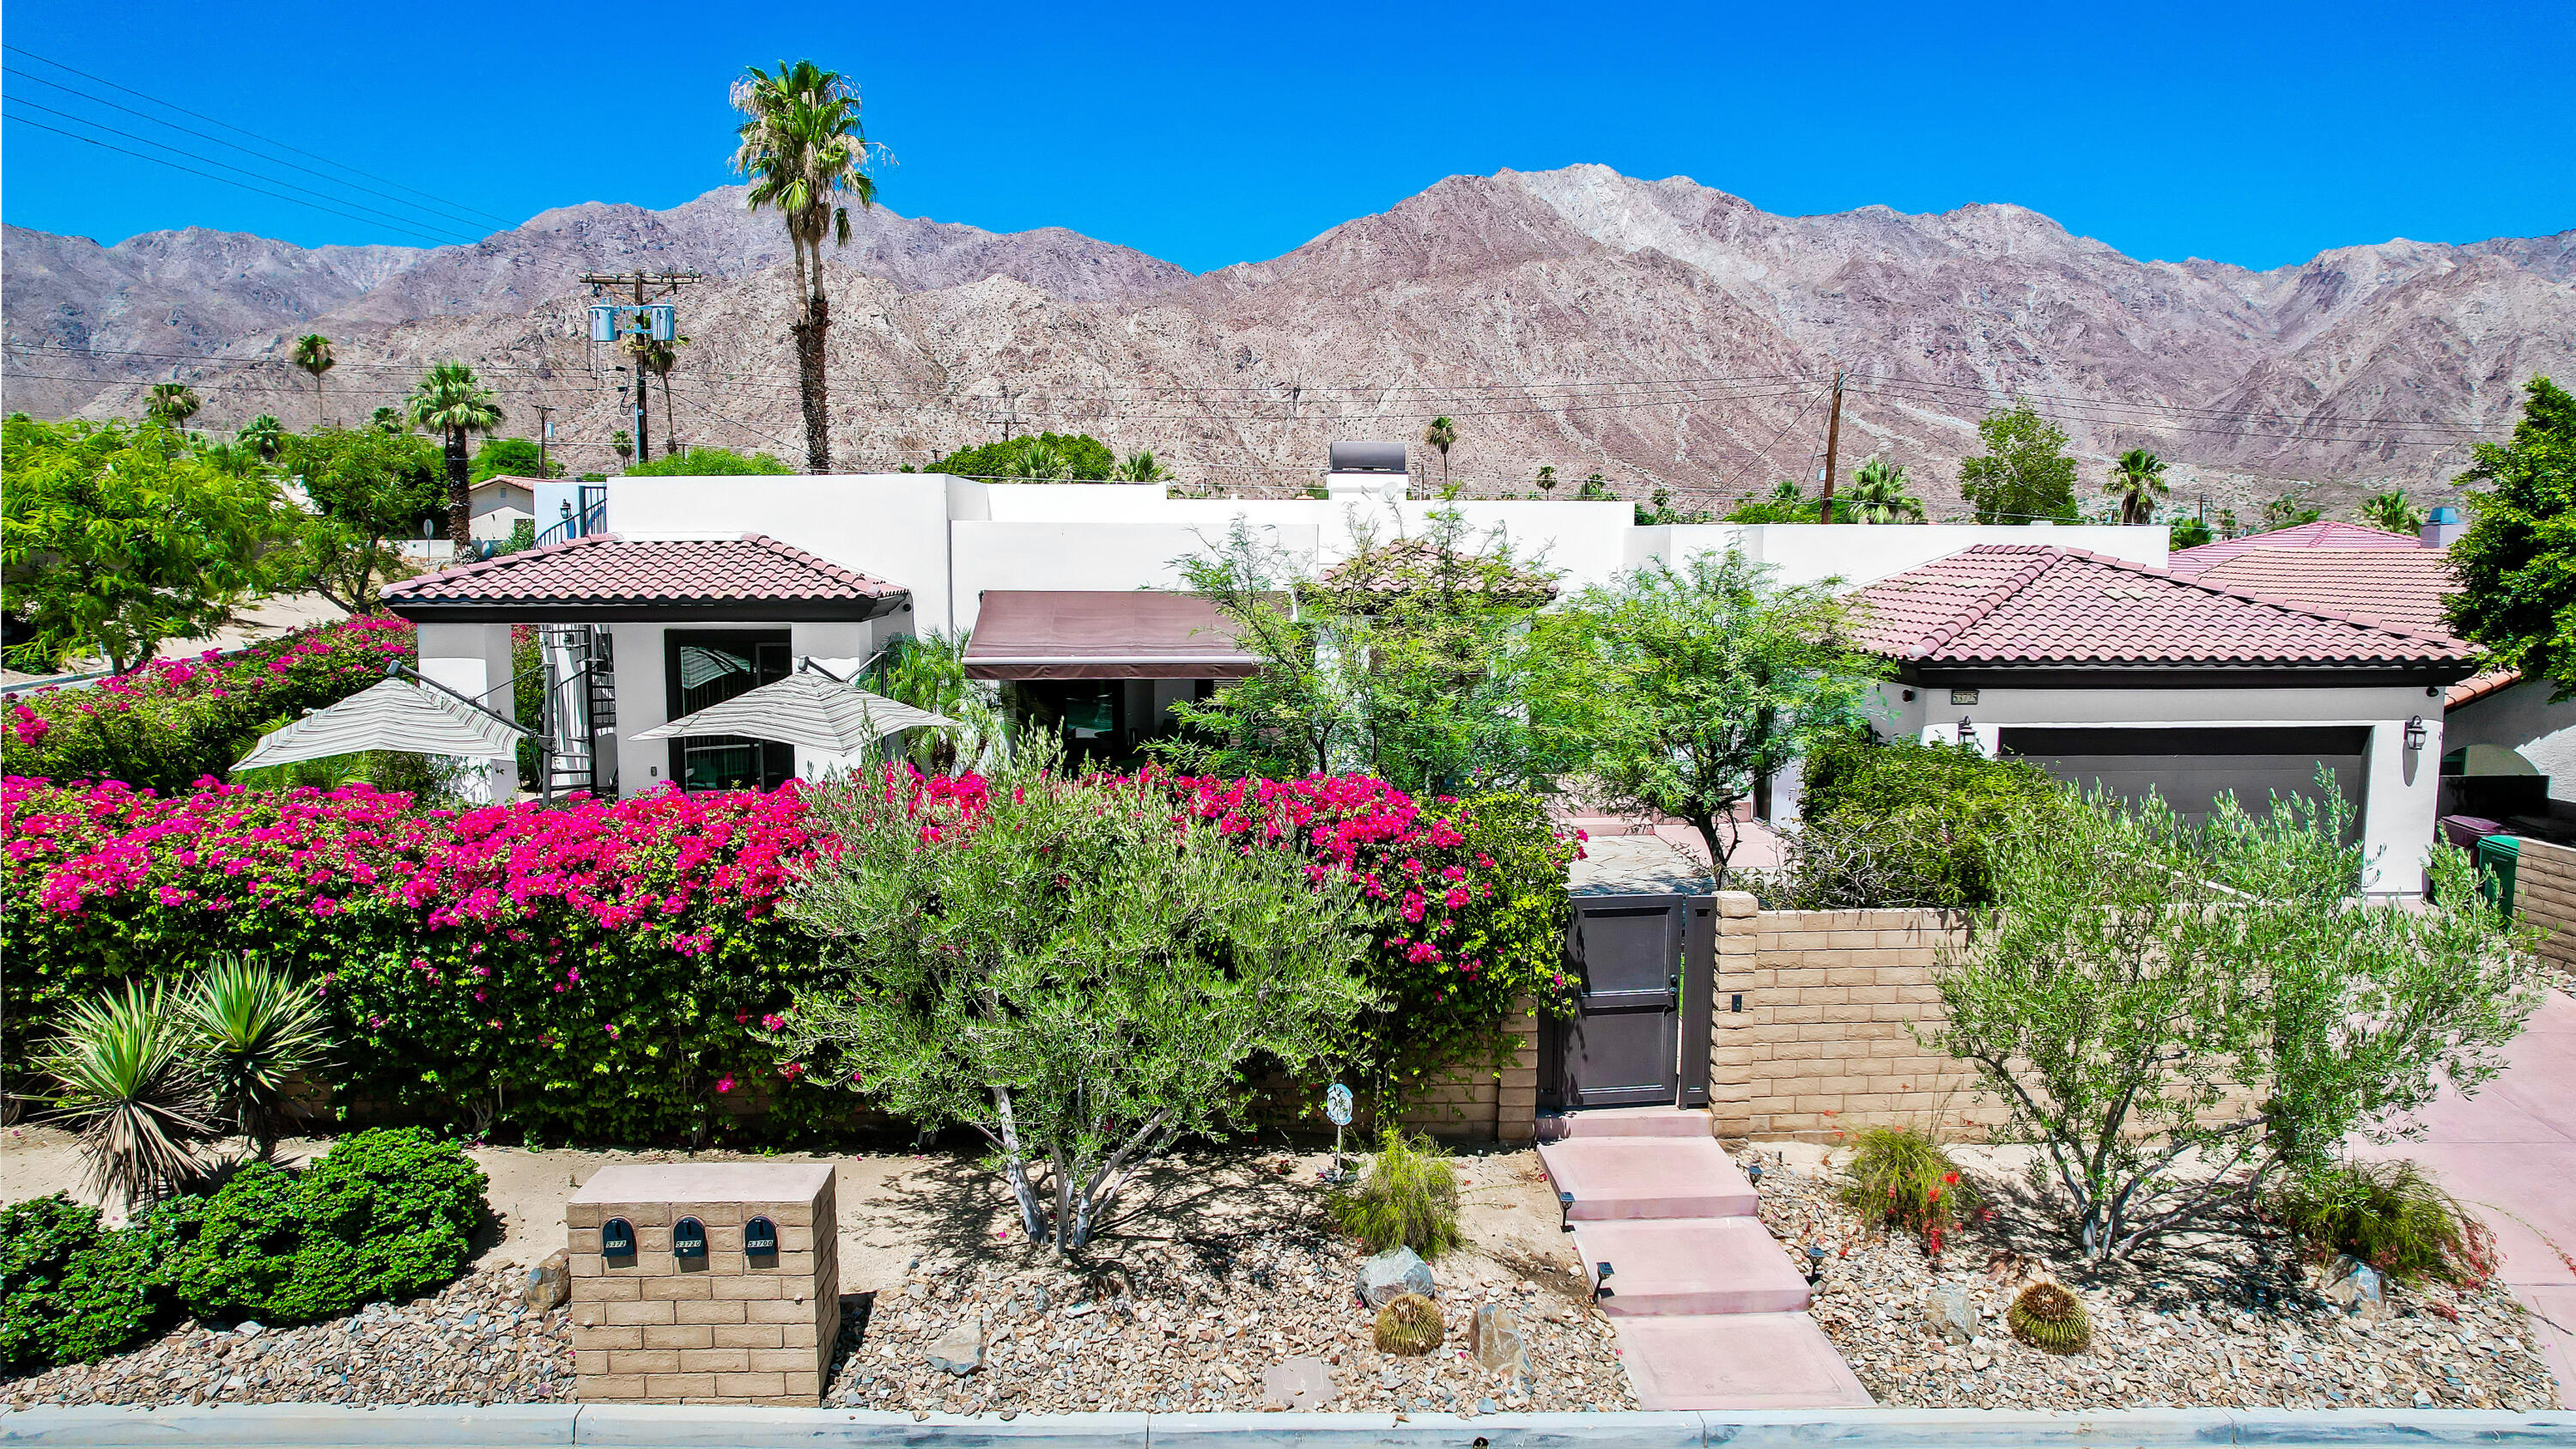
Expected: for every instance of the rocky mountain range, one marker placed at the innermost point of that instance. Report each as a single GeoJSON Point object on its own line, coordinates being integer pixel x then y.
{"type": "Point", "coordinates": [1660, 333]}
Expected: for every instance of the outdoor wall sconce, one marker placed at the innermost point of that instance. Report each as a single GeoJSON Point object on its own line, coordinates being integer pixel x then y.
{"type": "Point", "coordinates": [1601, 1280]}
{"type": "Point", "coordinates": [1967, 733]}
{"type": "Point", "coordinates": [1565, 1212]}
{"type": "Point", "coordinates": [2415, 733]}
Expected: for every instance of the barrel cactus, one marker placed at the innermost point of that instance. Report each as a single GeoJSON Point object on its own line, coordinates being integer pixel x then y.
{"type": "Point", "coordinates": [2046, 1316]}
{"type": "Point", "coordinates": [1408, 1325]}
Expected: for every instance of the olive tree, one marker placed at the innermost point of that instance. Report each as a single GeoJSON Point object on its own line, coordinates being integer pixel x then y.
{"type": "Point", "coordinates": [2175, 1016]}
{"type": "Point", "coordinates": [1065, 968]}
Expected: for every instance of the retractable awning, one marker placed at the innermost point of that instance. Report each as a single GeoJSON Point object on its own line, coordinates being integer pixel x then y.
{"type": "Point", "coordinates": [395, 714]}
{"type": "Point", "coordinates": [1103, 634]}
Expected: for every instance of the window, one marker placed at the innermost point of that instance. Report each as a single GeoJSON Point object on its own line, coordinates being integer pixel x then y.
{"type": "Point", "coordinates": [703, 667]}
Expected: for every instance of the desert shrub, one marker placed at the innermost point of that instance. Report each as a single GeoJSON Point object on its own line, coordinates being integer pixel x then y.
{"type": "Point", "coordinates": [383, 1215]}
{"type": "Point", "coordinates": [169, 724]}
{"type": "Point", "coordinates": [2391, 1215]}
{"type": "Point", "coordinates": [1899, 1175]}
{"type": "Point", "coordinates": [709, 462]}
{"type": "Point", "coordinates": [1409, 1325]}
{"type": "Point", "coordinates": [1408, 1198]}
{"type": "Point", "coordinates": [71, 1290]}
{"type": "Point", "coordinates": [2049, 1318]}
{"type": "Point", "coordinates": [1893, 825]}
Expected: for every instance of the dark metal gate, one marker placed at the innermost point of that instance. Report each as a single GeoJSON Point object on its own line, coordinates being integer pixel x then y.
{"type": "Point", "coordinates": [1639, 1035]}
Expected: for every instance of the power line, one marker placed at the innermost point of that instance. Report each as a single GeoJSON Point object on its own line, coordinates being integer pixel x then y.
{"type": "Point", "coordinates": [254, 135]}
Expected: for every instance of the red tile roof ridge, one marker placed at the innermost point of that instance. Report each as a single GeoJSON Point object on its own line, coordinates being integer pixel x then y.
{"type": "Point", "coordinates": [498, 561]}
{"type": "Point", "coordinates": [816, 562]}
{"type": "Point", "coordinates": [2287, 606]}
{"type": "Point", "coordinates": [2478, 686]}
{"type": "Point", "coordinates": [1994, 597]}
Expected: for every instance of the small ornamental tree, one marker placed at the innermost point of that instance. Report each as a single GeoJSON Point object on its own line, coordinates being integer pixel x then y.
{"type": "Point", "coordinates": [2175, 1017]}
{"type": "Point", "coordinates": [370, 488]}
{"type": "Point", "coordinates": [1677, 689]}
{"type": "Point", "coordinates": [2516, 564]}
{"type": "Point", "coordinates": [1073, 969]}
{"type": "Point", "coordinates": [2024, 475]}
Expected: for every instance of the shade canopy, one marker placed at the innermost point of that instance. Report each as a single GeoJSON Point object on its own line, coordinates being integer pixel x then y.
{"type": "Point", "coordinates": [810, 710]}
{"type": "Point", "coordinates": [1103, 634]}
{"type": "Point", "coordinates": [394, 714]}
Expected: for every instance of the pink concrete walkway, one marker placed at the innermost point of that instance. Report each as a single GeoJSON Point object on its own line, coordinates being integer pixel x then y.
{"type": "Point", "coordinates": [2510, 1152]}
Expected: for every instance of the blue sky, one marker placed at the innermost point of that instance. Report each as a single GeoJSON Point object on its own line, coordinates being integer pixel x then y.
{"type": "Point", "coordinates": [2251, 133]}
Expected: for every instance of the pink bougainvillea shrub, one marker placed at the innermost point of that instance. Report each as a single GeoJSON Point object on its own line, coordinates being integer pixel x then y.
{"type": "Point", "coordinates": [175, 720]}
{"type": "Point", "coordinates": [587, 969]}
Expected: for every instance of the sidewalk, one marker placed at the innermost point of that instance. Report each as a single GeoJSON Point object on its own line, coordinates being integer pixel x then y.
{"type": "Point", "coordinates": [2510, 1152]}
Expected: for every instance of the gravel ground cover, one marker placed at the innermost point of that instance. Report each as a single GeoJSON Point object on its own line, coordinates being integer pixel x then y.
{"type": "Point", "coordinates": [2212, 1320]}
{"type": "Point", "coordinates": [474, 1343]}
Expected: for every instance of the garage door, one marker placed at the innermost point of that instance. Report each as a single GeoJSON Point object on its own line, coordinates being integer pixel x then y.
{"type": "Point", "coordinates": [2191, 768]}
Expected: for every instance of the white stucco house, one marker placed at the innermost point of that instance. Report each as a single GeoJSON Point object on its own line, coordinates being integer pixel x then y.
{"type": "Point", "coordinates": [686, 591]}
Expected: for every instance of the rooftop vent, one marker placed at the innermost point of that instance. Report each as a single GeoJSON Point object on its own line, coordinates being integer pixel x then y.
{"type": "Point", "coordinates": [1367, 458]}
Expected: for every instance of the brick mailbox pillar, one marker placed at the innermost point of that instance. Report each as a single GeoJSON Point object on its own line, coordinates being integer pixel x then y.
{"type": "Point", "coordinates": [673, 1299]}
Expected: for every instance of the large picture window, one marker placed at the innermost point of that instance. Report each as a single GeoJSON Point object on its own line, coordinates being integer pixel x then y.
{"type": "Point", "coordinates": [703, 667]}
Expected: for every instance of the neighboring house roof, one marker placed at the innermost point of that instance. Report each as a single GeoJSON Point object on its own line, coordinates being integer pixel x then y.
{"type": "Point", "coordinates": [2405, 587]}
{"type": "Point", "coordinates": [2323, 534]}
{"type": "Point", "coordinates": [605, 577]}
{"type": "Point", "coordinates": [1406, 564]}
{"type": "Point", "coordinates": [2031, 606]}
{"type": "Point", "coordinates": [2478, 686]}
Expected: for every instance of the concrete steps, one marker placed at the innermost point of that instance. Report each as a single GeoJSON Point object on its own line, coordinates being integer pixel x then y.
{"type": "Point", "coordinates": [1619, 1178]}
{"type": "Point", "coordinates": [1625, 1122]}
{"type": "Point", "coordinates": [1691, 1266]}
{"type": "Point", "coordinates": [1735, 1361]}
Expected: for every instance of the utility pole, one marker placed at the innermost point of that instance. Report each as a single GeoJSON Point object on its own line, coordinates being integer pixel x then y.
{"type": "Point", "coordinates": [641, 283]}
{"type": "Point", "coordinates": [1010, 413]}
{"type": "Point", "coordinates": [1833, 441]}
{"type": "Point", "coordinates": [545, 430]}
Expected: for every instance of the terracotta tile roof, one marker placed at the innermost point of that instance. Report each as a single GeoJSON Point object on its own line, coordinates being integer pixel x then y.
{"type": "Point", "coordinates": [1404, 564]}
{"type": "Point", "coordinates": [2033, 605]}
{"type": "Point", "coordinates": [2478, 686]}
{"type": "Point", "coordinates": [2323, 534]}
{"type": "Point", "coordinates": [606, 569]}
{"type": "Point", "coordinates": [2405, 587]}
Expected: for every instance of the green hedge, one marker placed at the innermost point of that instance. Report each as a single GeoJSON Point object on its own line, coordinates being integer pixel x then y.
{"type": "Point", "coordinates": [72, 1291]}
{"type": "Point", "coordinates": [1899, 824]}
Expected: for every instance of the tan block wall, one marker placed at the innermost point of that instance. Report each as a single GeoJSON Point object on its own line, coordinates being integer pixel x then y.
{"type": "Point", "coordinates": [1476, 1103]}
{"type": "Point", "coordinates": [2544, 896]}
{"type": "Point", "coordinates": [725, 1333]}
{"type": "Point", "coordinates": [1825, 1041]}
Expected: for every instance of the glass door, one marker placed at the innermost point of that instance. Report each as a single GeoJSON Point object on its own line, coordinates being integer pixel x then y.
{"type": "Point", "coordinates": [704, 667]}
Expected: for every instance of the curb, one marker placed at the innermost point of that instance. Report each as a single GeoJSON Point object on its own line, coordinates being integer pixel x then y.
{"type": "Point", "coordinates": [707, 1426]}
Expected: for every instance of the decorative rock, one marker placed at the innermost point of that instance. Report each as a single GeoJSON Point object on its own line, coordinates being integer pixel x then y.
{"type": "Point", "coordinates": [2355, 1287]}
{"type": "Point", "coordinates": [1494, 1337]}
{"type": "Point", "coordinates": [1952, 1313]}
{"type": "Point", "coordinates": [961, 1351]}
{"type": "Point", "coordinates": [549, 1284]}
{"type": "Point", "coordinates": [1302, 1382]}
{"type": "Point", "coordinates": [1392, 1274]}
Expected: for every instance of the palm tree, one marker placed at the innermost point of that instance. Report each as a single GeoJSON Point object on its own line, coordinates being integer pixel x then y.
{"type": "Point", "coordinates": [1547, 479]}
{"type": "Point", "coordinates": [313, 354]}
{"type": "Point", "coordinates": [171, 403]}
{"type": "Point", "coordinates": [2137, 480]}
{"type": "Point", "coordinates": [263, 435]}
{"type": "Point", "coordinates": [1877, 495]}
{"type": "Point", "coordinates": [656, 358]}
{"type": "Point", "coordinates": [1041, 461]}
{"type": "Point", "coordinates": [1140, 467]}
{"type": "Point", "coordinates": [390, 419]}
{"type": "Point", "coordinates": [452, 402]}
{"type": "Point", "coordinates": [1441, 434]}
{"type": "Point", "coordinates": [801, 148]}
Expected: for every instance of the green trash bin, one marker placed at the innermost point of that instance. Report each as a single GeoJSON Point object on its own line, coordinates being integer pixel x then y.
{"type": "Point", "coordinates": [2497, 857]}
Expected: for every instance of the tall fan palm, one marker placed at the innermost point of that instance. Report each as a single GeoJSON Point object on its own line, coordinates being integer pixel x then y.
{"type": "Point", "coordinates": [802, 149]}
{"type": "Point", "coordinates": [452, 402]}
{"type": "Point", "coordinates": [1877, 495]}
{"type": "Point", "coordinates": [171, 402]}
{"type": "Point", "coordinates": [263, 435]}
{"type": "Point", "coordinates": [313, 354]}
{"type": "Point", "coordinates": [2137, 480]}
{"type": "Point", "coordinates": [656, 359]}
{"type": "Point", "coordinates": [129, 1090]}
{"type": "Point", "coordinates": [1140, 466]}
{"type": "Point", "coordinates": [1442, 434]}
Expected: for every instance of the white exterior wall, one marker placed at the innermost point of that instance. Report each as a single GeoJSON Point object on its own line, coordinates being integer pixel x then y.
{"type": "Point", "coordinates": [2399, 790]}
{"type": "Point", "coordinates": [474, 661]}
{"type": "Point", "coordinates": [643, 702]}
{"type": "Point", "coordinates": [1862, 554]}
{"type": "Point", "coordinates": [2522, 719]}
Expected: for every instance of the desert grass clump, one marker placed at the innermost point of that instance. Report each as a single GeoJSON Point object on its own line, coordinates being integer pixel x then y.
{"type": "Point", "coordinates": [1408, 1198]}
{"type": "Point", "coordinates": [1900, 1176]}
{"type": "Point", "coordinates": [2049, 1318]}
{"type": "Point", "coordinates": [2393, 1216]}
{"type": "Point", "coordinates": [1408, 1325]}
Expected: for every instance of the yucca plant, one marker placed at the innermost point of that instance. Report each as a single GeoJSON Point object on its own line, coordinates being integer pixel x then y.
{"type": "Point", "coordinates": [130, 1088]}
{"type": "Point", "coordinates": [254, 1029]}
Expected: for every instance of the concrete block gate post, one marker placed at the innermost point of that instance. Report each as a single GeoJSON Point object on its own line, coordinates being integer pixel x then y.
{"type": "Point", "coordinates": [705, 1283]}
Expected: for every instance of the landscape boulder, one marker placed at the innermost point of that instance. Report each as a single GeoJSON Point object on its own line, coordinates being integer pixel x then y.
{"type": "Point", "coordinates": [1299, 1383]}
{"type": "Point", "coordinates": [2353, 1286]}
{"type": "Point", "coordinates": [548, 1285]}
{"type": "Point", "coordinates": [1494, 1337]}
{"type": "Point", "coordinates": [1951, 1313]}
{"type": "Point", "coordinates": [1392, 1274]}
{"type": "Point", "coordinates": [960, 1351]}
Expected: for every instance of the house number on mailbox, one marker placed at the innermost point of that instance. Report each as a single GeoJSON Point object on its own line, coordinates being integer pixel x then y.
{"type": "Point", "coordinates": [760, 1239]}
{"type": "Point", "coordinates": [689, 1239]}
{"type": "Point", "coordinates": [617, 1239]}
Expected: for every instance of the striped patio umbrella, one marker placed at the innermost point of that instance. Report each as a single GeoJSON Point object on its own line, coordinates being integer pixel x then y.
{"type": "Point", "coordinates": [394, 714]}
{"type": "Point", "coordinates": [809, 710]}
